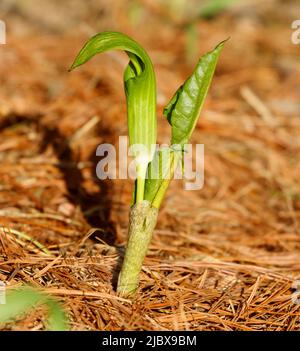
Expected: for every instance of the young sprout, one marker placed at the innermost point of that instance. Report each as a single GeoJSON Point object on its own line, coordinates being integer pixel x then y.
{"type": "Point", "coordinates": [182, 113]}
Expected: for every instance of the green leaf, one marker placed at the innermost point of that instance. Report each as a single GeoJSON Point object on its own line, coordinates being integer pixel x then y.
{"type": "Point", "coordinates": [182, 113]}
{"type": "Point", "coordinates": [183, 110]}
{"type": "Point", "coordinates": [22, 300]}
{"type": "Point", "coordinates": [140, 88]}
{"type": "Point", "coordinates": [56, 316]}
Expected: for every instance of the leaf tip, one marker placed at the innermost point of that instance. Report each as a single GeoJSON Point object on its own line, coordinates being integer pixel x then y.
{"type": "Point", "coordinates": [73, 66]}
{"type": "Point", "coordinates": [222, 43]}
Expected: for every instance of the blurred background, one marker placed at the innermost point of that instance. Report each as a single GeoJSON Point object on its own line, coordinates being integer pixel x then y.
{"type": "Point", "coordinates": [224, 257]}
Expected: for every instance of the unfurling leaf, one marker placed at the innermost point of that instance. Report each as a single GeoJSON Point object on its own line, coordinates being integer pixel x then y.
{"type": "Point", "coordinates": [182, 113]}
{"type": "Point", "coordinates": [183, 110]}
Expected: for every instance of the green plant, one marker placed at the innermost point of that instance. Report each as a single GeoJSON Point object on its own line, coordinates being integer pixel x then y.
{"type": "Point", "coordinates": [20, 301]}
{"type": "Point", "coordinates": [182, 112]}
{"type": "Point", "coordinates": [214, 7]}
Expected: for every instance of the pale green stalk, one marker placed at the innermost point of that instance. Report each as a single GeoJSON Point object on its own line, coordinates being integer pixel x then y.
{"type": "Point", "coordinates": [142, 221]}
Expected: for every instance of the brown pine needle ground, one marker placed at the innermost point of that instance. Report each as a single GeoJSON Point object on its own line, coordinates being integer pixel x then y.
{"type": "Point", "coordinates": [222, 258]}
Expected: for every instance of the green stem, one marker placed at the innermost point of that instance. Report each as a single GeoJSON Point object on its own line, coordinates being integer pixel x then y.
{"type": "Point", "coordinates": [142, 222]}
{"type": "Point", "coordinates": [140, 186]}
{"type": "Point", "coordinates": [168, 176]}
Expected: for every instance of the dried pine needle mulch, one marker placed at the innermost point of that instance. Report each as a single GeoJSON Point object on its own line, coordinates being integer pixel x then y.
{"type": "Point", "coordinates": [223, 258]}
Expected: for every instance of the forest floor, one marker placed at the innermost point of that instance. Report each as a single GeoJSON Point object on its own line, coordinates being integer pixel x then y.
{"type": "Point", "coordinates": [225, 257]}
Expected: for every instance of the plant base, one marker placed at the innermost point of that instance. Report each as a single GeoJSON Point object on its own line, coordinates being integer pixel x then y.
{"type": "Point", "coordinates": [142, 221]}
